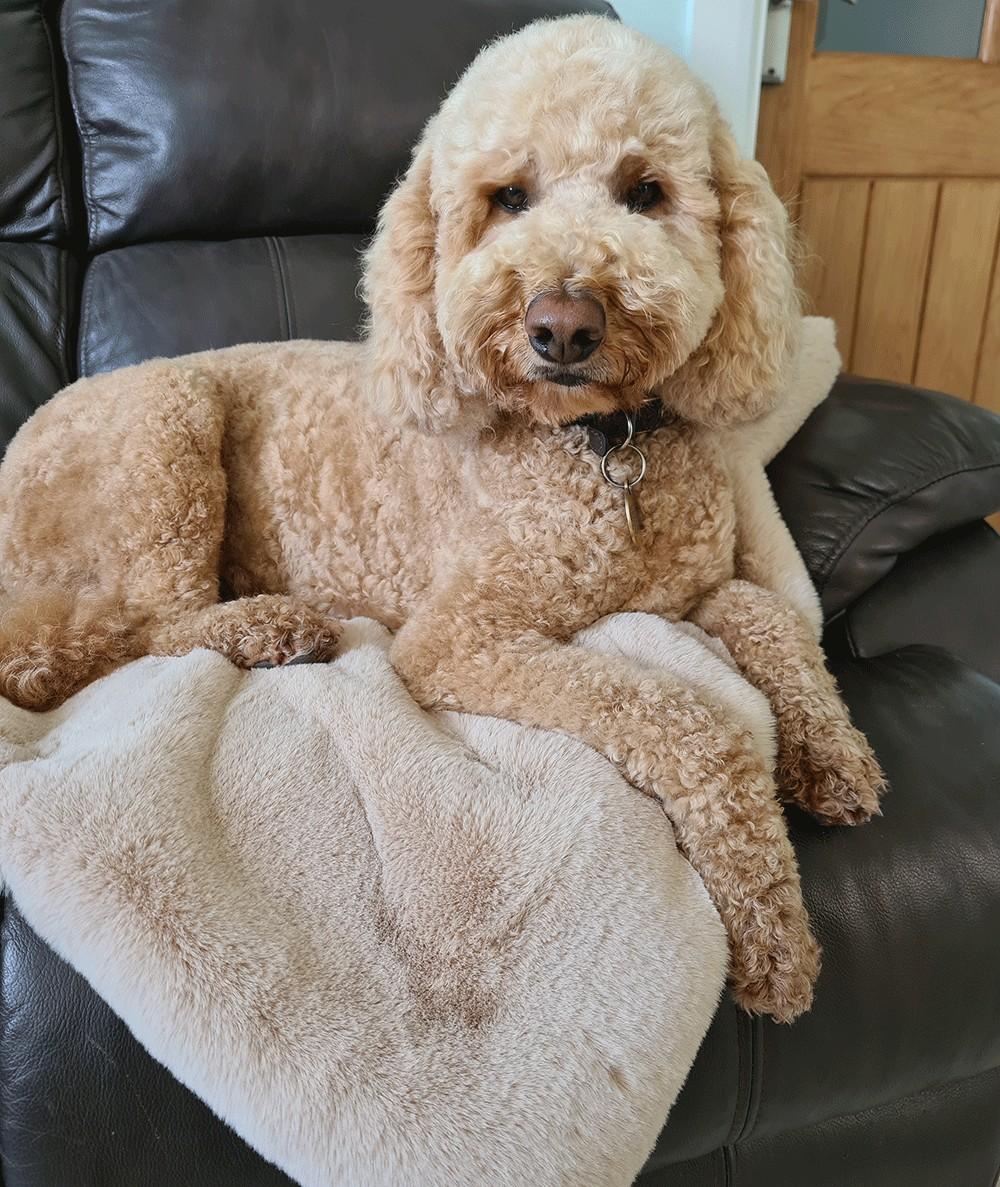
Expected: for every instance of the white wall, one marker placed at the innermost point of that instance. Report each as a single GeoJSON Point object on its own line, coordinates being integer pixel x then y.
{"type": "Point", "coordinates": [723, 40]}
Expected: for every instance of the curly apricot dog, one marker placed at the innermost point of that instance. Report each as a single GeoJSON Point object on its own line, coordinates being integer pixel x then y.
{"type": "Point", "coordinates": [576, 232]}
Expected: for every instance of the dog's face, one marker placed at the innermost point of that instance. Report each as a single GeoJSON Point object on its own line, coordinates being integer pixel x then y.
{"type": "Point", "coordinates": [576, 232]}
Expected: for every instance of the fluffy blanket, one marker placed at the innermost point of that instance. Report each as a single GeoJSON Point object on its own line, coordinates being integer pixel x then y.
{"type": "Point", "coordinates": [387, 947]}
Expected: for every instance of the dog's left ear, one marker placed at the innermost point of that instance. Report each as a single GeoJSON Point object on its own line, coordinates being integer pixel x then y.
{"type": "Point", "coordinates": [409, 372]}
{"type": "Point", "coordinates": [737, 371]}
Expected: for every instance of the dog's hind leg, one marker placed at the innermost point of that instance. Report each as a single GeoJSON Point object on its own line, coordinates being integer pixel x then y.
{"type": "Point", "coordinates": [51, 645]}
{"type": "Point", "coordinates": [175, 534]}
{"type": "Point", "coordinates": [120, 537]}
{"type": "Point", "coordinates": [112, 507]}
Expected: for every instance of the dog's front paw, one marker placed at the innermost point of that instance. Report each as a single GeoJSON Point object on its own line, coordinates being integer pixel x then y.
{"type": "Point", "coordinates": [270, 645]}
{"type": "Point", "coordinates": [827, 767]}
{"type": "Point", "coordinates": [775, 957]}
{"type": "Point", "coordinates": [268, 631]}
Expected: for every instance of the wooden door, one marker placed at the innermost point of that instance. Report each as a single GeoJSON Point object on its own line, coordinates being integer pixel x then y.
{"type": "Point", "coordinates": [892, 165]}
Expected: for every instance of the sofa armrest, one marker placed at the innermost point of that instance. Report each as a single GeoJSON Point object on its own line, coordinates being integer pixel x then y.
{"type": "Point", "coordinates": [942, 594]}
{"type": "Point", "coordinates": [875, 471]}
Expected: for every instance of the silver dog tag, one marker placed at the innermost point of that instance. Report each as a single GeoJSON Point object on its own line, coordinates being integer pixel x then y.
{"type": "Point", "coordinates": [633, 516]}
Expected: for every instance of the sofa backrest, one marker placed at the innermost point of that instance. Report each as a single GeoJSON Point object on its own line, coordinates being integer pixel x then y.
{"type": "Point", "coordinates": [196, 173]}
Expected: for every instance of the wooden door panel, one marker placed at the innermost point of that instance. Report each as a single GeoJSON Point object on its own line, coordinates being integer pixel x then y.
{"type": "Point", "coordinates": [908, 271]}
{"type": "Point", "coordinates": [879, 114]}
{"type": "Point", "coordinates": [988, 379]}
{"type": "Point", "coordinates": [897, 254]}
{"type": "Point", "coordinates": [781, 127]}
{"type": "Point", "coordinates": [833, 235]}
{"type": "Point", "coordinates": [958, 288]}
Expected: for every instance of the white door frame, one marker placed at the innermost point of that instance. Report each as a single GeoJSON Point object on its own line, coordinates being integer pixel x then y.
{"type": "Point", "coordinates": [724, 42]}
{"type": "Point", "coordinates": [726, 47]}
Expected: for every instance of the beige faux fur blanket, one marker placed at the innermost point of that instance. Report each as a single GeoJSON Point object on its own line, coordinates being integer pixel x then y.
{"type": "Point", "coordinates": [391, 949]}
{"type": "Point", "coordinates": [388, 948]}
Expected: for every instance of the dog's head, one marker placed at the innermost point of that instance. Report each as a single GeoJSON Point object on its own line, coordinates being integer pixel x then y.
{"type": "Point", "coordinates": [577, 229]}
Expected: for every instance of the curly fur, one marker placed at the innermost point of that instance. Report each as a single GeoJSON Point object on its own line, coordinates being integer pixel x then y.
{"type": "Point", "coordinates": [295, 479]}
{"type": "Point", "coordinates": [699, 293]}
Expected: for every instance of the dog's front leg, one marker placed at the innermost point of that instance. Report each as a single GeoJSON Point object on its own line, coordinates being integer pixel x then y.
{"type": "Point", "coordinates": [704, 768]}
{"type": "Point", "coordinates": [824, 764]}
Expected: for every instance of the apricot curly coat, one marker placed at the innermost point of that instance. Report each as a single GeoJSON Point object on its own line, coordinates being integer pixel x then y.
{"type": "Point", "coordinates": [422, 476]}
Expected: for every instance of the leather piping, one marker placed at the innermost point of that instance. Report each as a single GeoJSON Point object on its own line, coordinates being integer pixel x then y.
{"type": "Point", "coordinates": [282, 253]}
{"type": "Point", "coordinates": [280, 286]}
{"type": "Point", "coordinates": [750, 1078]}
{"type": "Point", "coordinates": [83, 333]}
{"type": "Point", "coordinates": [83, 134]}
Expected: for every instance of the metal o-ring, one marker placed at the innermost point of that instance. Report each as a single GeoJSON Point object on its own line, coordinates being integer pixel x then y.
{"type": "Point", "coordinates": [632, 481]}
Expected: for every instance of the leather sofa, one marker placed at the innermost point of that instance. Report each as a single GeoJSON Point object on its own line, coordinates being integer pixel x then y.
{"type": "Point", "coordinates": [194, 173]}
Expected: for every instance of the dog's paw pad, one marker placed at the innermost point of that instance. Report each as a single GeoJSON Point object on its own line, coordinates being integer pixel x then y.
{"type": "Point", "coordinates": [308, 639]}
{"type": "Point", "coordinates": [304, 657]}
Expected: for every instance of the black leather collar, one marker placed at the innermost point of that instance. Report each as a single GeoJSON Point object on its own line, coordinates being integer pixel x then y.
{"type": "Point", "coordinates": [610, 429]}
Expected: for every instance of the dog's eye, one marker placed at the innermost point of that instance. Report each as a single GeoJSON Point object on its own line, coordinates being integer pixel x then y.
{"type": "Point", "coordinates": [511, 197]}
{"type": "Point", "coordinates": [643, 196]}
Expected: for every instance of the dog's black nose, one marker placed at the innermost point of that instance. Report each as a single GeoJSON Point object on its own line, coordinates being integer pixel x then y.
{"type": "Point", "coordinates": [564, 328]}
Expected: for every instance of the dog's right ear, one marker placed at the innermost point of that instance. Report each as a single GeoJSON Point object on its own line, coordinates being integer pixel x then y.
{"type": "Point", "coordinates": [410, 372]}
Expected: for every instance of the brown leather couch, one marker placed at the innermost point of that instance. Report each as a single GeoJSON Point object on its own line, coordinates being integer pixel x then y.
{"type": "Point", "coordinates": [193, 173]}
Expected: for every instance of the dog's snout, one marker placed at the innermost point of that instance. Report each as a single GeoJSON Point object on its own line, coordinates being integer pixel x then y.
{"type": "Point", "coordinates": [564, 328]}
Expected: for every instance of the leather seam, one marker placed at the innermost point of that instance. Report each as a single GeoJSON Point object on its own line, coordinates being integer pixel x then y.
{"type": "Point", "coordinates": [280, 290]}
{"type": "Point", "coordinates": [739, 1109]}
{"type": "Point", "coordinates": [899, 1100]}
{"type": "Point", "coordinates": [756, 1073]}
{"type": "Point", "coordinates": [757, 1081]}
{"type": "Point", "coordinates": [849, 634]}
{"type": "Point", "coordinates": [83, 346]}
{"type": "Point", "coordinates": [749, 1076]}
{"type": "Point", "coordinates": [62, 315]}
{"type": "Point", "coordinates": [293, 319]}
{"type": "Point", "coordinates": [57, 125]}
{"type": "Point", "coordinates": [85, 136]}
{"type": "Point", "coordinates": [826, 571]}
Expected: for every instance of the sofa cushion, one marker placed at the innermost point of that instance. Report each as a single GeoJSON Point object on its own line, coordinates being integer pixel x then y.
{"type": "Point", "coordinates": [877, 469]}
{"type": "Point", "coordinates": [213, 120]}
{"type": "Point", "coordinates": [894, 1015]}
{"type": "Point", "coordinates": [34, 202]}
{"type": "Point", "coordinates": [174, 298]}
{"type": "Point", "coordinates": [37, 311]}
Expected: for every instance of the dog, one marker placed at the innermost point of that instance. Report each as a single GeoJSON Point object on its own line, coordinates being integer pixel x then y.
{"type": "Point", "coordinates": [577, 236]}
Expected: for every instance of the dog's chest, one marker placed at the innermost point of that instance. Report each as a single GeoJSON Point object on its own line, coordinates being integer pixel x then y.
{"type": "Point", "coordinates": [685, 545]}
{"type": "Point", "coordinates": [571, 525]}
